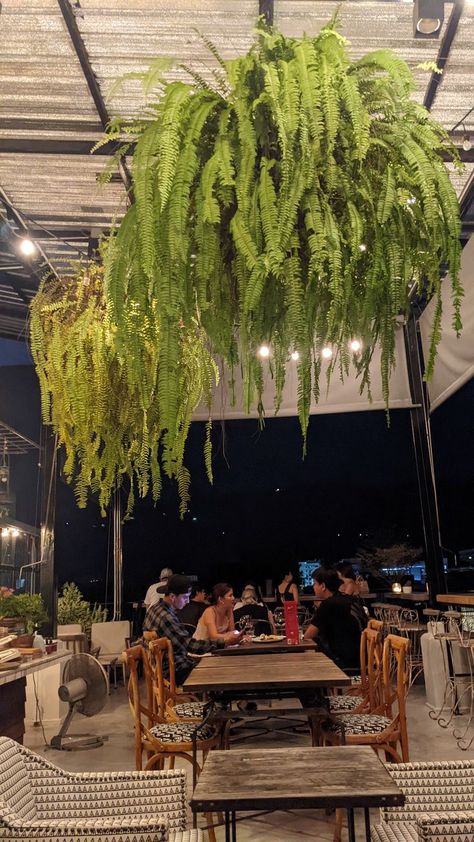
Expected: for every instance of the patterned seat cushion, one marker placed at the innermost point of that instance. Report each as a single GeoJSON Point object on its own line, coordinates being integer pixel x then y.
{"type": "Point", "coordinates": [186, 836]}
{"type": "Point", "coordinates": [394, 832]}
{"type": "Point", "coordinates": [180, 732]}
{"type": "Point", "coordinates": [15, 787]}
{"type": "Point", "coordinates": [361, 723]}
{"type": "Point", "coordinates": [191, 710]}
{"type": "Point", "coordinates": [343, 703]}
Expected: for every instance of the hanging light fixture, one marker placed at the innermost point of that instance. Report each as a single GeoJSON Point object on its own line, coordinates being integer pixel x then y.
{"type": "Point", "coordinates": [27, 247]}
{"type": "Point", "coordinates": [264, 351]}
{"type": "Point", "coordinates": [326, 353]}
{"type": "Point", "coordinates": [355, 345]}
{"type": "Point", "coordinates": [295, 356]}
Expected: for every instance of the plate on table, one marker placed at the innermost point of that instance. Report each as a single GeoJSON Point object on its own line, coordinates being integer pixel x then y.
{"type": "Point", "coordinates": [269, 638]}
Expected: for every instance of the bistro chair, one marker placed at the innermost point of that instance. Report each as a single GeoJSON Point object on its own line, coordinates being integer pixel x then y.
{"type": "Point", "coordinates": [385, 727]}
{"type": "Point", "coordinates": [365, 696]}
{"type": "Point", "coordinates": [170, 703]}
{"type": "Point", "coordinates": [160, 740]}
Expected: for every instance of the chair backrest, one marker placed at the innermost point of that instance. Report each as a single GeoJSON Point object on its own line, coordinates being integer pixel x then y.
{"type": "Point", "coordinates": [142, 710]}
{"type": "Point", "coordinates": [111, 637]}
{"type": "Point", "coordinates": [16, 792]}
{"type": "Point", "coordinates": [161, 656]}
{"type": "Point", "coordinates": [376, 625]}
{"type": "Point", "coordinates": [149, 635]}
{"type": "Point", "coordinates": [70, 628]}
{"type": "Point", "coordinates": [371, 667]}
{"type": "Point", "coordinates": [396, 683]}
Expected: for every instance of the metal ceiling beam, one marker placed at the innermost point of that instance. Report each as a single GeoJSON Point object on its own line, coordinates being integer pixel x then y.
{"type": "Point", "coordinates": [30, 124]}
{"type": "Point", "coordinates": [21, 224]}
{"type": "Point", "coordinates": [443, 53]}
{"type": "Point", "coordinates": [266, 9]}
{"type": "Point", "coordinates": [90, 77]}
{"type": "Point", "coordinates": [49, 146]}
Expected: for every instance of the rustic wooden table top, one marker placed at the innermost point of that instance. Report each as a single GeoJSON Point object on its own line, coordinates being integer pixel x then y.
{"type": "Point", "coordinates": [282, 779]}
{"type": "Point", "coordinates": [275, 672]}
{"type": "Point", "coordinates": [455, 598]}
{"type": "Point", "coordinates": [267, 648]}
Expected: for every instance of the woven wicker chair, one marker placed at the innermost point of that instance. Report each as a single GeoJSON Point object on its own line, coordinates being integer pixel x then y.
{"type": "Point", "coordinates": [39, 801]}
{"type": "Point", "coordinates": [448, 784]}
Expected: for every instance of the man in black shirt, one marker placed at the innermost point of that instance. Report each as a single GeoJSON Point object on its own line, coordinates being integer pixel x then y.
{"type": "Point", "coordinates": [338, 621]}
{"type": "Point", "coordinates": [192, 612]}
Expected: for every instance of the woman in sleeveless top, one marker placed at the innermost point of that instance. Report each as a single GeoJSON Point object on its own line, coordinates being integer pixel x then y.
{"type": "Point", "coordinates": [217, 621]}
{"type": "Point", "coordinates": [286, 590]}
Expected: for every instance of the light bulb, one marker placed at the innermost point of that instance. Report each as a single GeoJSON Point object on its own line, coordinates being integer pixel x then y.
{"type": "Point", "coordinates": [327, 353]}
{"type": "Point", "coordinates": [411, 200]}
{"type": "Point", "coordinates": [295, 356]}
{"type": "Point", "coordinates": [15, 533]}
{"type": "Point", "coordinates": [264, 351]}
{"type": "Point", "coordinates": [5, 532]}
{"type": "Point", "coordinates": [467, 143]}
{"type": "Point", "coordinates": [362, 247]}
{"type": "Point", "coordinates": [27, 247]}
{"type": "Point", "coordinates": [355, 345]}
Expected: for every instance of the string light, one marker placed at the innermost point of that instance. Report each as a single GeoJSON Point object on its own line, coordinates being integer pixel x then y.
{"type": "Point", "coordinates": [15, 533]}
{"type": "Point", "coordinates": [5, 532]}
{"type": "Point", "coordinates": [27, 247]}
{"type": "Point", "coordinates": [355, 345]}
{"type": "Point", "coordinates": [327, 353]}
{"type": "Point", "coordinates": [264, 351]}
{"type": "Point", "coordinates": [362, 247]}
{"type": "Point", "coordinates": [295, 356]}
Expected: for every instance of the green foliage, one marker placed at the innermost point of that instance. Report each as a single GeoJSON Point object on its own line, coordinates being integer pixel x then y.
{"type": "Point", "coordinates": [295, 201]}
{"type": "Point", "coordinates": [73, 608]}
{"type": "Point", "coordinates": [29, 607]}
{"type": "Point", "coordinates": [102, 396]}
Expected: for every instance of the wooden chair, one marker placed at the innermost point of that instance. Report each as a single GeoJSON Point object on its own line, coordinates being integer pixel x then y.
{"type": "Point", "coordinates": [377, 625]}
{"type": "Point", "coordinates": [163, 741]}
{"type": "Point", "coordinates": [363, 697]}
{"type": "Point", "coordinates": [170, 703]}
{"type": "Point", "coordinates": [384, 727]}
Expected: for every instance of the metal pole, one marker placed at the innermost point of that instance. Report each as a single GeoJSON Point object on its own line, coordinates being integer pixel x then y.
{"type": "Point", "coordinates": [48, 583]}
{"type": "Point", "coordinates": [118, 560]}
{"type": "Point", "coordinates": [421, 430]}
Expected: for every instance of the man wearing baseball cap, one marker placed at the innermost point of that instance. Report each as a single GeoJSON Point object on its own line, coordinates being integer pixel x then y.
{"type": "Point", "coordinates": [162, 618]}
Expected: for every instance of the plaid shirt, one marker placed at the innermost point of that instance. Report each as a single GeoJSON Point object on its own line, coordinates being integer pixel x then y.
{"type": "Point", "coordinates": [163, 619]}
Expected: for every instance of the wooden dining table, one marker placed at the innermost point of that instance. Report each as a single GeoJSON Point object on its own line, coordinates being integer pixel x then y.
{"type": "Point", "coordinates": [267, 648]}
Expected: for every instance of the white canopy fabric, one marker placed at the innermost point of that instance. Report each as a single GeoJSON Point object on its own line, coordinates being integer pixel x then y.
{"type": "Point", "coordinates": [341, 397]}
{"type": "Point", "coordinates": [455, 362]}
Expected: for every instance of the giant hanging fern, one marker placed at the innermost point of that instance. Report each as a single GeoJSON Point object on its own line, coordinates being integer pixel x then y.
{"type": "Point", "coordinates": [295, 202]}
{"type": "Point", "coordinates": [106, 413]}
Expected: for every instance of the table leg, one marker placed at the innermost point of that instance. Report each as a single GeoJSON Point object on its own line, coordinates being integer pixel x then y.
{"type": "Point", "coordinates": [234, 827]}
{"type": "Point", "coordinates": [367, 824]}
{"type": "Point", "coordinates": [227, 825]}
{"type": "Point", "coordinates": [351, 824]}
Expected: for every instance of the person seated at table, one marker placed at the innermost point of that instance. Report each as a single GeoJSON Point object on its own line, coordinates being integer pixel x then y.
{"type": "Point", "coordinates": [349, 583]}
{"type": "Point", "coordinates": [217, 621]}
{"type": "Point", "coordinates": [193, 611]}
{"type": "Point", "coordinates": [286, 590]}
{"type": "Point", "coordinates": [162, 618]}
{"type": "Point", "coordinates": [258, 594]}
{"type": "Point", "coordinates": [259, 615]}
{"type": "Point", "coordinates": [338, 622]}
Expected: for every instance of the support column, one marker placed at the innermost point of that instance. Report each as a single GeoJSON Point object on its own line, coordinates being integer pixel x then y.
{"type": "Point", "coordinates": [118, 559]}
{"type": "Point", "coordinates": [48, 578]}
{"type": "Point", "coordinates": [421, 431]}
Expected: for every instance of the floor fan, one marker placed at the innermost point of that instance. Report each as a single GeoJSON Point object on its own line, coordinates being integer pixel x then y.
{"type": "Point", "coordinates": [85, 688]}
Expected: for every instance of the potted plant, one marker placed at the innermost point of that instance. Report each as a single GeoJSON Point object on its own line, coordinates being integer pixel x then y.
{"type": "Point", "coordinates": [22, 611]}
{"type": "Point", "coordinates": [73, 608]}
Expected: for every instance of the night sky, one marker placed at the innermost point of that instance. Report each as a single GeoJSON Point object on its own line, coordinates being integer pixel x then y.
{"type": "Point", "coordinates": [267, 508]}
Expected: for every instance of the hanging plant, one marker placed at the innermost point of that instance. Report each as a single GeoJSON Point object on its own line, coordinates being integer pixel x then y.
{"type": "Point", "coordinates": [295, 202]}
{"type": "Point", "coordinates": [101, 399]}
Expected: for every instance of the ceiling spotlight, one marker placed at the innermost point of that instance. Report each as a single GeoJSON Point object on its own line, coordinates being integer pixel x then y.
{"type": "Point", "coordinates": [355, 345]}
{"type": "Point", "coordinates": [295, 356]}
{"type": "Point", "coordinates": [362, 247]}
{"type": "Point", "coordinates": [27, 247]}
{"type": "Point", "coordinates": [327, 353]}
{"type": "Point", "coordinates": [428, 15]}
{"type": "Point", "coordinates": [467, 143]}
{"type": "Point", "coordinates": [264, 351]}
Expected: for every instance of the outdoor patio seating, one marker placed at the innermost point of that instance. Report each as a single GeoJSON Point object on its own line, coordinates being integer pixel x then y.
{"type": "Point", "coordinates": [39, 801]}
{"type": "Point", "coordinates": [111, 638]}
{"type": "Point", "coordinates": [416, 821]}
{"type": "Point", "coordinates": [169, 704]}
{"type": "Point", "coordinates": [363, 697]}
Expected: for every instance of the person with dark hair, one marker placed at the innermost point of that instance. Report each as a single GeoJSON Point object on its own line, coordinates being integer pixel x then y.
{"type": "Point", "coordinates": [162, 618]}
{"type": "Point", "coordinates": [338, 622]}
{"type": "Point", "coordinates": [347, 576]}
{"type": "Point", "coordinates": [217, 621]}
{"type": "Point", "coordinates": [193, 611]}
{"type": "Point", "coordinates": [286, 591]}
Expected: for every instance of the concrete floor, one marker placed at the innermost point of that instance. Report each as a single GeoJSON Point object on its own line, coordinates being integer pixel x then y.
{"type": "Point", "coordinates": [427, 741]}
